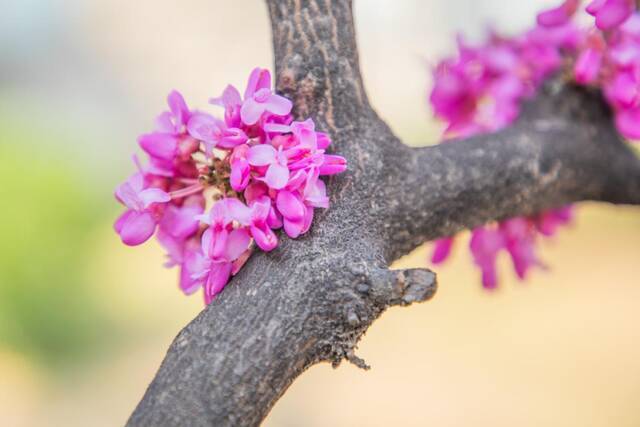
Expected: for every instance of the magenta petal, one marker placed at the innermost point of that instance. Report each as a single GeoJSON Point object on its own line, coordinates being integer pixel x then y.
{"type": "Point", "coordinates": [276, 127]}
{"type": "Point", "coordinates": [261, 155]}
{"type": "Point", "coordinates": [217, 280]}
{"type": "Point", "coordinates": [231, 96]}
{"type": "Point", "coordinates": [277, 176]}
{"type": "Point", "coordinates": [333, 164]}
{"type": "Point", "coordinates": [237, 243]}
{"type": "Point", "coordinates": [153, 195]}
{"type": "Point", "coordinates": [127, 195]}
{"type": "Point", "coordinates": [122, 219]}
{"type": "Point", "coordinates": [595, 6]}
{"type": "Point", "coordinates": [137, 228]}
{"type": "Point", "coordinates": [236, 211]}
{"type": "Point", "coordinates": [251, 111]}
{"type": "Point", "coordinates": [628, 123]}
{"type": "Point", "coordinates": [278, 105]}
{"type": "Point", "coordinates": [290, 205]}
{"type": "Point", "coordinates": [613, 13]}
{"type": "Point", "coordinates": [323, 140]}
{"type": "Point", "coordinates": [441, 250]}
{"type": "Point", "coordinates": [259, 78]}
{"type": "Point", "coordinates": [174, 247]}
{"type": "Point", "coordinates": [308, 219]}
{"type": "Point", "coordinates": [239, 178]}
{"type": "Point", "coordinates": [293, 228]}
{"type": "Point", "coordinates": [559, 15]}
{"type": "Point", "coordinates": [264, 237]}
{"type": "Point", "coordinates": [587, 66]}
{"type": "Point", "coordinates": [181, 222]}
{"type": "Point", "coordinates": [178, 107]}
{"type": "Point", "coordinates": [160, 145]}
{"type": "Point", "coordinates": [194, 262]}
{"type": "Point", "coordinates": [204, 127]}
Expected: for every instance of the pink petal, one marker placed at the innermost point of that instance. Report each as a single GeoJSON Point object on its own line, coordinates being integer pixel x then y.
{"type": "Point", "coordinates": [278, 105]}
{"type": "Point", "coordinates": [294, 228]}
{"type": "Point", "coordinates": [174, 247]}
{"type": "Point", "coordinates": [161, 145]}
{"type": "Point", "coordinates": [217, 280]}
{"type": "Point", "coordinates": [559, 15]}
{"type": "Point", "coordinates": [137, 228]}
{"type": "Point", "coordinates": [333, 164]}
{"type": "Point", "coordinates": [235, 210]}
{"type": "Point", "coordinates": [178, 107]}
{"type": "Point", "coordinates": [181, 222]}
{"type": "Point", "coordinates": [308, 219]}
{"type": "Point", "coordinates": [231, 96]}
{"type": "Point", "coordinates": [204, 127]}
{"type": "Point", "coordinates": [153, 195]}
{"type": "Point", "coordinates": [261, 155]}
{"type": "Point", "coordinates": [239, 178]}
{"type": "Point", "coordinates": [276, 127]}
{"type": "Point", "coordinates": [595, 6]}
{"type": "Point", "coordinates": [613, 13]}
{"type": "Point", "coordinates": [277, 176]}
{"type": "Point", "coordinates": [194, 262]}
{"type": "Point", "coordinates": [587, 66]}
{"type": "Point", "coordinates": [237, 243]}
{"type": "Point", "coordinates": [128, 196]}
{"type": "Point", "coordinates": [323, 140]}
{"type": "Point", "coordinates": [259, 78]}
{"type": "Point", "coordinates": [231, 138]}
{"type": "Point", "coordinates": [290, 205]}
{"type": "Point", "coordinates": [264, 237]}
{"type": "Point", "coordinates": [122, 219]}
{"type": "Point", "coordinates": [254, 191]}
{"type": "Point", "coordinates": [251, 111]}
{"type": "Point", "coordinates": [441, 250]}
{"type": "Point", "coordinates": [628, 123]}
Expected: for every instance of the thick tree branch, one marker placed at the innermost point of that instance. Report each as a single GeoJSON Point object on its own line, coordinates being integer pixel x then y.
{"type": "Point", "coordinates": [312, 299]}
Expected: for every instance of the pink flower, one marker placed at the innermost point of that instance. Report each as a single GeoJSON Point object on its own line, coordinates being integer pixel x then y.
{"type": "Point", "coordinates": [441, 250]}
{"type": "Point", "coordinates": [181, 221]}
{"type": "Point", "coordinates": [277, 173]}
{"type": "Point", "coordinates": [220, 265]}
{"type": "Point", "coordinates": [168, 142]}
{"type": "Point", "coordinates": [214, 132]}
{"type": "Point", "coordinates": [559, 15]}
{"type": "Point", "coordinates": [610, 14]}
{"type": "Point", "coordinates": [240, 168]}
{"type": "Point", "coordinates": [548, 222]}
{"type": "Point", "coordinates": [260, 99]}
{"type": "Point", "coordinates": [231, 102]}
{"type": "Point", "coordinates": [519, 238]}
{"type": "Point", "coordinates": [588, 66]}
{"type": "Point", "coordinates": [485, 244]}
{"type": "Point", "coordinates": [139, 222]}
{"type": "Point", "coordinates": [628, 122]}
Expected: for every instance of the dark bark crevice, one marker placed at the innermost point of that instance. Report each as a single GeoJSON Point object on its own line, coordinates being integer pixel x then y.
{"type": "Point", "coordinates": [312, 299]}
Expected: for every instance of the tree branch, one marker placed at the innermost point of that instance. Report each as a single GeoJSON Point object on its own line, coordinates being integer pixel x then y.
{"type": "Point", "coordinates": [312, 299]}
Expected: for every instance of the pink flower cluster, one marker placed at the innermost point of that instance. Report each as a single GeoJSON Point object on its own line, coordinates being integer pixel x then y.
{"type": "Point", "coordinates": [481, 90]}
{"type": "Point", "coordinates": [609, 56]}
{"type": "Point", "coordinates": [257, 171]}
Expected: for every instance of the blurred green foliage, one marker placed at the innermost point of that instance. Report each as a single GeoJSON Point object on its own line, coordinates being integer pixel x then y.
{"type": "Point", "coordinates": [47, 214]}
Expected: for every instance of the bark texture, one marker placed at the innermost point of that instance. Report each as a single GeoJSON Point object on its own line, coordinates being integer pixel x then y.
{"type": "Point", "coordinates": [312, 299]}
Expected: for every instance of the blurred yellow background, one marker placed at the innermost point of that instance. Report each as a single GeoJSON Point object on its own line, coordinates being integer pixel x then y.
{"type": "Point", "coordinates": [85, 321]}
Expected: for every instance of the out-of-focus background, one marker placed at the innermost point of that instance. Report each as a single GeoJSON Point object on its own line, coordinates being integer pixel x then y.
{"type": "Point", "coordinates": [85, 321]}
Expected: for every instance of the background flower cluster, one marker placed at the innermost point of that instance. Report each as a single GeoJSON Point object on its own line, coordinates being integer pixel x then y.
{"type": "Point", "coordinates": [481, 90]}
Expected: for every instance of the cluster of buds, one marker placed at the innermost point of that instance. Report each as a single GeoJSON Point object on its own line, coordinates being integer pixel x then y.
{"type": "Point", "coordinates": [481, 91]}
{"type": "Point", "coordinates": [214, 189]}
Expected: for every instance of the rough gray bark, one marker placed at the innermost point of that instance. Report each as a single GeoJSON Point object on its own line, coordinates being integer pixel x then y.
{"type": "Point", "coordinates": [312, 299]}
